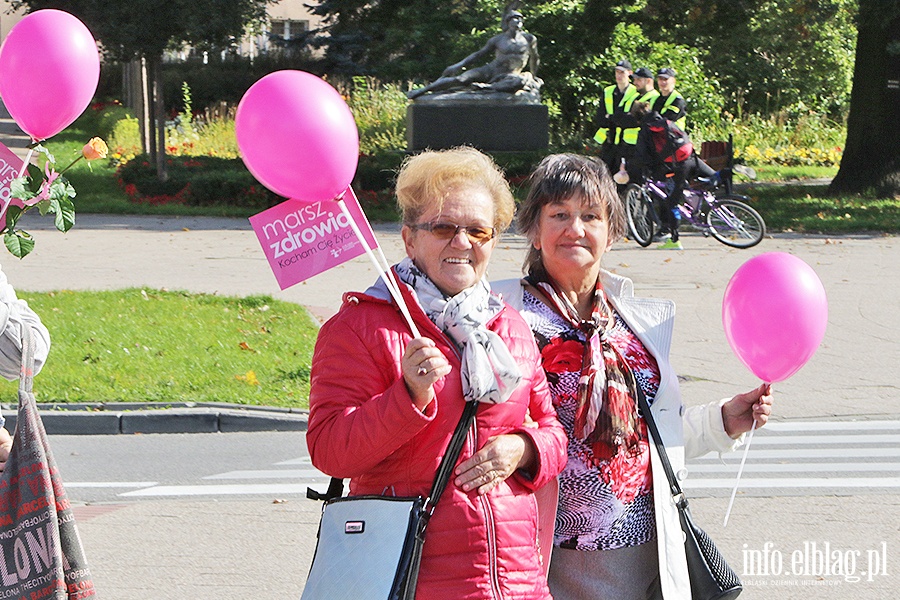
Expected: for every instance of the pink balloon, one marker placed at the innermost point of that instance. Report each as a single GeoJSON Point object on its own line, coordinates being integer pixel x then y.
{"type": "Point", "coordinates": [297, 136]}
{"type": "Point", "coordinates": [775, 313]}
{"type": "Point", "coordinates": [49, 69]}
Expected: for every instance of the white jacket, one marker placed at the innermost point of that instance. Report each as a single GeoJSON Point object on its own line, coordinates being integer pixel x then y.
{"type": "Point", "coordinates": [14, 313]}
{"type": "Point", "coordinates": [686, 431]}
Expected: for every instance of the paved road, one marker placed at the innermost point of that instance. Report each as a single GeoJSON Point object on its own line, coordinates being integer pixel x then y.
{"type": "Point", "coordinates": [853, 375]}
{"type": "Point", "coordinates": [187, 516]}
{"type": "Point", "coordinates": [807, 458]}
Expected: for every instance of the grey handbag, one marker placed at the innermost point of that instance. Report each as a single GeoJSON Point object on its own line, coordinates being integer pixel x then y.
{"type": "Point", "coordinates": [370, 547]}
{"type": "Point", "coordinates": [40, 550]}
{"type": "Point", "coordinates": [711, 577]}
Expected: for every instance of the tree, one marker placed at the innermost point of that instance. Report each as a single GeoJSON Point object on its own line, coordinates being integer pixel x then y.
{"type": "Point", "coordinates": [145, 28]}
{"type": "Point", "coordinates": [769, 55]}
{"type": "Point", "coordinates": [871, 158]}
{"type": "Point", "coordinates": [398, 39]}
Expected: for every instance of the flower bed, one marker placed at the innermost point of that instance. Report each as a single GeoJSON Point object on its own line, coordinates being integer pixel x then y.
{"type": "Point", "coordinates": [194, 181]}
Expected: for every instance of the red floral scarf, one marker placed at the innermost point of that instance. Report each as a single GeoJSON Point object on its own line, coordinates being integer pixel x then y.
{"type": "Point", "coordinates": [606, 416]}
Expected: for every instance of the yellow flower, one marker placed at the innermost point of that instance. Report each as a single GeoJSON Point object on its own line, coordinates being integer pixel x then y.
{"type": "Point", "coordinates": [94, 149]}
{"type": "Point", "coordinates": [250, 378]}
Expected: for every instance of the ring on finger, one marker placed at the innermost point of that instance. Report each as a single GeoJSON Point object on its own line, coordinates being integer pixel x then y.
{"type": "Point", "coordinates": [421, 371]}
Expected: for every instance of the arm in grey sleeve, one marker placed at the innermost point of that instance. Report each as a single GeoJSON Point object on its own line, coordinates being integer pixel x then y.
{"type": "Point", "coordinates": [13, 314]}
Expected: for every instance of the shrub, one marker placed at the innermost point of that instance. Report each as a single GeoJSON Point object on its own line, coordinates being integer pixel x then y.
{"type": "Point", "coordinates": [791, 138]}
{"type": "Point", "coordinates": [380, 113]}
{"type": "Point", "coordinates": [194, 181]}
{"type": "Point", "coordinates": [124, 140]}
{"type": "Point", "coordinates": [377, 171]}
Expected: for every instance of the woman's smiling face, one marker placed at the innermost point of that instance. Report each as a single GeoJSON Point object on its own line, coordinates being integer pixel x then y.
{"type": "Point", "coordinates": [455, 264]}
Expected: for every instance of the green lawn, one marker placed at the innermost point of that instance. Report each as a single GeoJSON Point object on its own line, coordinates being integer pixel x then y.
{"type": "Point", "coordinates": [806, 208]}
{"type": "Point", "coordinates": [139, 345]}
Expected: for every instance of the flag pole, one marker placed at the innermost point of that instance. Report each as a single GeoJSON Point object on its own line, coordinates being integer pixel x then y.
{"type": "Point", "coordinates": [384, 271]}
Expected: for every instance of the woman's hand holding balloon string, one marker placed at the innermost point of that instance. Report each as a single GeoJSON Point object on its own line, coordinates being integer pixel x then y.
{"type": "Point", "coordinates": [740, 413]}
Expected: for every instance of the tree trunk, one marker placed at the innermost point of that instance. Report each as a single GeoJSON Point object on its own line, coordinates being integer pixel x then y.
{"type": "Point", "coordinates": [137, 97]}
{"type": "Point", "coordinates": [143, 93]}
{"type": "Point", "coordinates": [159, 116]}
{"type": "Point", "coordinates": [871, 158]}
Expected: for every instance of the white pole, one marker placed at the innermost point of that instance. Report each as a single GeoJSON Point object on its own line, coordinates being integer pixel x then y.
{"type": "Point", "coordinates": [27, 160]}
{"type": "Point", "coordinates": [383, 271]}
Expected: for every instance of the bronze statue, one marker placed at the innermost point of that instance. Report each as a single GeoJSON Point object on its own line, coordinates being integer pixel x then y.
{"type": "Point", "coordinates": [513, 50]}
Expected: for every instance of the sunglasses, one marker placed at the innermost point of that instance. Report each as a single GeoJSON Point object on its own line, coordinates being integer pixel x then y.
{"type": "Point", "coordinates": [477, 234]}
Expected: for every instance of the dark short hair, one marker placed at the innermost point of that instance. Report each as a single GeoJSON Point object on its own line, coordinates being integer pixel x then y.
{"type": "Point", "coordinates": [556, 179]}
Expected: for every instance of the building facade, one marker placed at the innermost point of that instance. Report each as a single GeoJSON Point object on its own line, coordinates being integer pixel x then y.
{"type": "Point", "coordinates": [287, 20]}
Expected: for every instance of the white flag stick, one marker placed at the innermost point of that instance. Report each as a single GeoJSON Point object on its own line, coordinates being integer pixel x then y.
{"type": "Point", "coordinates": [740, 471]}
{"type": "Point", "coordinates": [27, 160]}
{"type": "Point", "coordinates": [392, 286]}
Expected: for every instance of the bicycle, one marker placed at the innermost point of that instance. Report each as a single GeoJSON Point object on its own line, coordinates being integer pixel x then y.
{"type": "Point", "coordinates": [728, 219]}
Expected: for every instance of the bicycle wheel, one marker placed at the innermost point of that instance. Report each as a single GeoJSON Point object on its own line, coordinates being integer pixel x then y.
{"type": "Point", "coordinates": [735, 224]}
{"type": "Point", "coordinates": [640, 214]}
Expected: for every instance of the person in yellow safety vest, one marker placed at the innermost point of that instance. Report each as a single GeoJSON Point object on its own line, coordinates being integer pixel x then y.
{"type": "Point", "coordinates": [670, 104]}
{"type": "Point", "coordinates": [643, 82]}
{"type": "Point", "coordinates": [612, 116]}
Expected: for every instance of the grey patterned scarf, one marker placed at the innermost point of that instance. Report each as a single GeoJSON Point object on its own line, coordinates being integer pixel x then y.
{"type": "Point", "coordinates": [489, 372]}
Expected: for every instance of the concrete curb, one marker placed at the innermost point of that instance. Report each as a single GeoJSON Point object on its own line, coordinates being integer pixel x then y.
{"type": "Point", "coordinates": [158, 417]}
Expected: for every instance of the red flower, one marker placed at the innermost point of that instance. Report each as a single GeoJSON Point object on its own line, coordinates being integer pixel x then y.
{"type": "Point", "coordinates": [562, 356]}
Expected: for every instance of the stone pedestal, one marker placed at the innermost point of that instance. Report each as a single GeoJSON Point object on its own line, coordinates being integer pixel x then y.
{"type": "Point", "coordinates": [491, 123]}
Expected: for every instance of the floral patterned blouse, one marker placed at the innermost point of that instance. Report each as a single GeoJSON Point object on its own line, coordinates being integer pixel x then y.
{"type": "Point", "coordinates": [604, 504]}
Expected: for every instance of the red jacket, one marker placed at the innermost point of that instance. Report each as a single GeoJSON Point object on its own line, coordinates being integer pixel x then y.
{"type": "Point", "coordinates": [364, 426]}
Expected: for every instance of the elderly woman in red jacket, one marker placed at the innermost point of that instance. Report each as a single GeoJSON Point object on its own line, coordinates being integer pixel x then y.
{"type": "Point", "coordinates": [383, 404]}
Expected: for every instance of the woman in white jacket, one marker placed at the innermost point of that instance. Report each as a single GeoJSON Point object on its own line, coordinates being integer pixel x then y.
{"type": "Point", "coordinates": [14, 314]}
{"type": "Point", "coordinates": [617, 532]}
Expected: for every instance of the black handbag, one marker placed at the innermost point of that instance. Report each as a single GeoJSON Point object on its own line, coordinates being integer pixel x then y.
{"type": "Point", "coordinates": [370, 547]}
{"type": "Point", "coordinates": [711, 577]}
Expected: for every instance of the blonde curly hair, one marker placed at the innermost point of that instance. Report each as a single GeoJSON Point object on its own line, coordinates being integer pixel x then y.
{"type": "Point", "coordinates": [426, 179]}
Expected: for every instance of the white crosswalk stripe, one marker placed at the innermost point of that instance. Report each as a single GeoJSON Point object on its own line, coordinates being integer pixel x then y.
{"type": "Point", "coordinates": [281, 482]}
{"type": "Point", "coordinates": [805, 458]}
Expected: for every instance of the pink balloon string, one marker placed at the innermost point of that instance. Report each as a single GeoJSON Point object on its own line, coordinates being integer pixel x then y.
{"type": "Point", "coordinates": [740, 472]}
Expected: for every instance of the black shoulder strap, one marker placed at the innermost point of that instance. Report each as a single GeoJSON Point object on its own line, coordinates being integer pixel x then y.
{"type": "Point", "coordinates": [444, 472]}
{"type": "Point", "coordinates": [677, 493]}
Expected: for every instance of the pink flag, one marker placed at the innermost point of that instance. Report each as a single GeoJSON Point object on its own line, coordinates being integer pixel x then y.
{"type": "Point", "coordinates": [10, 165]}
{"type": "Point", "coordinates": [302, 238]}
